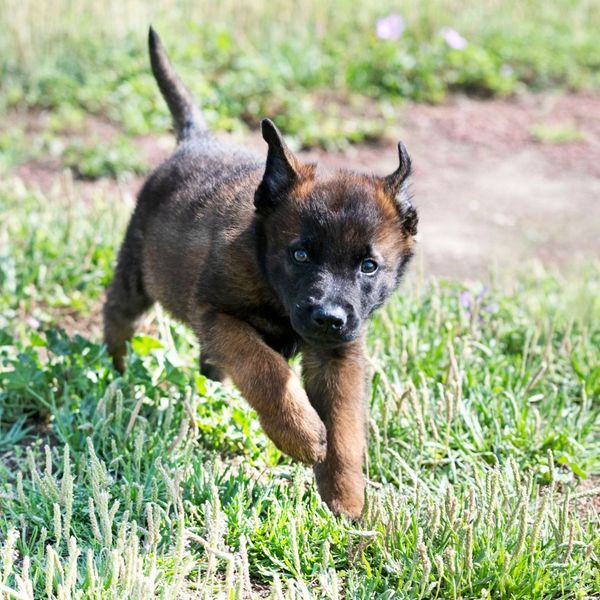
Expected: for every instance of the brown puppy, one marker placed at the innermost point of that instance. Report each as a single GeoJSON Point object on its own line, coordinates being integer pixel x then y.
{"type": "Point", "coordinates": [264, 261]}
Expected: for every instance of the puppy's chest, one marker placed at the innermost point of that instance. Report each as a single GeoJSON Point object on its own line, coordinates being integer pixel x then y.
{"type": "Point", "coordinates": [275, 329]}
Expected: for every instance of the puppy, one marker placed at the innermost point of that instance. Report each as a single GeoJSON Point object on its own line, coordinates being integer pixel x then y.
{"type": "Point", "coordinates": [264, 261]}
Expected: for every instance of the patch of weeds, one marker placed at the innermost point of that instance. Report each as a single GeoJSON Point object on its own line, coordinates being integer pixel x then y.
{"type": "Point", "coordinates": [53, 253]}
{"type": "Point", "coordinates": [67, 118]}
{"type": "Point", "coordinates": [92, 160]}
{"type": "Point", "coordinates": [557, 134]}
{"type": "Point", "coordinates": [13, 149]}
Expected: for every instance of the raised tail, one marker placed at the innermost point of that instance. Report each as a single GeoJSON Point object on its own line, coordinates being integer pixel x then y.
{"type": "Point", "coordinates": [187, 118]}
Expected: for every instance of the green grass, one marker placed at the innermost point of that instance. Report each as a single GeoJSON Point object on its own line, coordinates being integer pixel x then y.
{"type": "Point", "coordinates": [94, 160]}
{"type": "Point", "coordinates": [318, 67]}
{"type": "Point", "coordinates": [484, 422]}
{"type": "Point", "coordinates": [557, 135]}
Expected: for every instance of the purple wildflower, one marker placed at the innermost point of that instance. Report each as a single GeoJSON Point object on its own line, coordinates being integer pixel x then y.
{"type": "Point", "coordinates": [466, 299]}
{"type": "Point", "coordinates": [506, 70]}
{"type": "Point", "coordinates": [454, 39]}
{"type": "Point", "coordinates": [390, 27]}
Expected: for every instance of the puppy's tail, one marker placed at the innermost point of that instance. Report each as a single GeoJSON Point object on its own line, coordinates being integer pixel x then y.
{"type": "Point", "coordinates": [187, 118]}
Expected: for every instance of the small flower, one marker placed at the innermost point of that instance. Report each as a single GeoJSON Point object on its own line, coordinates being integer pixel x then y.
{"type": "Point", "coordinates": [466, 300]}
{"type": "Point", "coordinates": [454, 39]}
{"type": "Point", "coordinates": [390, 27]}
{"type": "Point", "coordinates": [506, 70]}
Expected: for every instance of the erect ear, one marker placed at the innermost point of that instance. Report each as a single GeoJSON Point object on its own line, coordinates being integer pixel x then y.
{"type": "Point", "coordinates": [396, 187]}
{"type": "Point", "coordinates": [281, 171]}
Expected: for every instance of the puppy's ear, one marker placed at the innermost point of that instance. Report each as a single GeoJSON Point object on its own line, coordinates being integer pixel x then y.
{"type": "Point", "coordinates": [281, 171]}
{"type": "Point", "coordinates": [396, 187]}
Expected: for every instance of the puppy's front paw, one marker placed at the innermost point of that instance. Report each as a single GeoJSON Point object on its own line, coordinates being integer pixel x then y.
{"type": "Point", "coordinates": [296, 428]}
{"type": "Point", "coordinates": [350, 505]}
{"type": "Point", "coordinates": [342, 491]}
{"type": "Point", "coordinates": [312, 437]}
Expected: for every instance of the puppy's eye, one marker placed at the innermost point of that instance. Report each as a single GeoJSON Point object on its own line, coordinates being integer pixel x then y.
{"type": "Point", "coordinates": [300, 255]}
{"type": "Point", "coordinates": [368, 266]}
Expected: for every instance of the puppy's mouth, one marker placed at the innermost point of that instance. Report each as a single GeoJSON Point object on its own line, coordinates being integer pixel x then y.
{"type": "Point", "coordinates": [325, 339]}
{"type": "Point", "coordinates": [328, 342]}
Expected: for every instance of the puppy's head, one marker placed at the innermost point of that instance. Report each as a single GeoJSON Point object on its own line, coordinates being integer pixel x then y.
{"type": "Point", "coordinates": [333, 248]}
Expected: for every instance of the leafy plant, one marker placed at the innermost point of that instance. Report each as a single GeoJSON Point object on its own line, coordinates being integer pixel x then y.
{"type": "Point", "coordinates": [92, 161]}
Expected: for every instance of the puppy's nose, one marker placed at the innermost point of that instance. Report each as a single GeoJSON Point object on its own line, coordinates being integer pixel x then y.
{"type": "Point", "coordinates": [328, 317]}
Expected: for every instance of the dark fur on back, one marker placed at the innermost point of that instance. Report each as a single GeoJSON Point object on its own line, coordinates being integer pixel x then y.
{"type": "Point", "coordinates": [264, 260]}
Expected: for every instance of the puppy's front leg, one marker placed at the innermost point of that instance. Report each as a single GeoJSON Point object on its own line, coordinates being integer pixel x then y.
{"type": "Point", "coordinates": [268, 384]}
{"type": "Point", "coordinates": [336, 385]}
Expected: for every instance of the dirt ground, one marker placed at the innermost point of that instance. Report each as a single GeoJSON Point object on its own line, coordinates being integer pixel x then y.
{"type": "Point", "coordinates": [490, 194]}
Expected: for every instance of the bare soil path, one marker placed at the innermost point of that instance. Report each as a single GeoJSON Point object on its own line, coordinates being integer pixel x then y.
{"type": "Point", "coordinates": [492, 191]}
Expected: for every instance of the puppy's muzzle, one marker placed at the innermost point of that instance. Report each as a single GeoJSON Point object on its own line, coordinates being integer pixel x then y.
{"type": "Point", "coordinates": [328, 318]}
{"type": "Point", "coordinates": [326, 323]}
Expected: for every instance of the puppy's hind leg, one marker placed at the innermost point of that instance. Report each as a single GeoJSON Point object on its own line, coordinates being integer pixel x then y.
{"type": "Point", "coordinates": [210, 370]}
{"type": "Point", "coordinates": [126, 302]}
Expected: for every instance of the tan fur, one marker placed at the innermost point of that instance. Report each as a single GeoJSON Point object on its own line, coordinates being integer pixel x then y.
{"type": "Point", "coordinates": [268, 384]}
{"type": "Point", "coordinates": [336, 387]}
